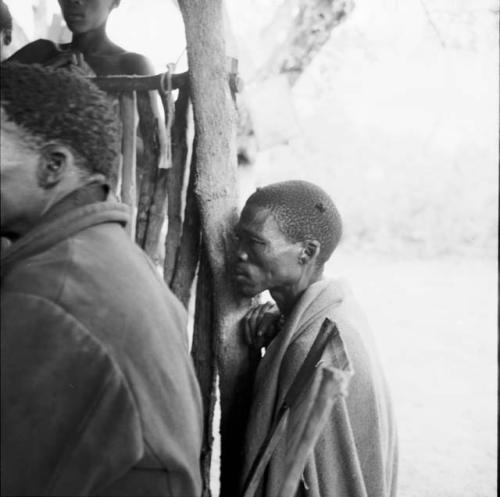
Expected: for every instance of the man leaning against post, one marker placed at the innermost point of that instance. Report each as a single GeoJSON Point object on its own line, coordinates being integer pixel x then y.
{"type": "Point", "coordinates": [286, 233]}
{"type": "Point", "coordinates": [99, 396]}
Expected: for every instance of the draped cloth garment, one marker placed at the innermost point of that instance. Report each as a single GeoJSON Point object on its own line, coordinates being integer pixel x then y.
{"type": "Point", "coordinates": [356, 454]}
{"type": "Point", "coordinates": [99, 396]}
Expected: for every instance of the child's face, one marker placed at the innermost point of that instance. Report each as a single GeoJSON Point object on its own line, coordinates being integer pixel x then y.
{"type": "Point", "coordinates": [82, 16]}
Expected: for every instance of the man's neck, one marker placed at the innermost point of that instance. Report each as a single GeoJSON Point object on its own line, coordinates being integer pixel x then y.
{"type": "Point", "coordinates": [84, 195]}
{"type": "Point", "coordinates": [94, 42]}
{"type": "Point", "coordinates": [287, 297]}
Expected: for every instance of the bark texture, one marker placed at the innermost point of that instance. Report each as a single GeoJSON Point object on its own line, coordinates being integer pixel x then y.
{"type": "Point", "coordinates": [175, 183]}
{"type": "Point", "coordinates": [128, 105]}
{"type": "Point", "coordinates": [214, 118]}
{"type": "Point", "coordinates": [147, 170]}
{"type": "Point", "coordinates": [188, 255]}
{"type": "Point", "coordinates": [203, 353]}
{"type": "Point", "coordinates": [305, 26]}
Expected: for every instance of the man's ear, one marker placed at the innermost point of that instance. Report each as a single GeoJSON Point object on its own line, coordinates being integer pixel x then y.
{"type": "Point", "coordinates": [7, 36]}
{"type": "Point", "coordinates": [54, 164]}
{"type": "Point", "coordinates": [310, 251]}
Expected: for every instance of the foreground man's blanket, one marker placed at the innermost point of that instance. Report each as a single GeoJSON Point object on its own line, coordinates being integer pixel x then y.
{"type": "Point", "coordinates": [356, 455]}
{"type": "Point", "coordinates": [99, 396]}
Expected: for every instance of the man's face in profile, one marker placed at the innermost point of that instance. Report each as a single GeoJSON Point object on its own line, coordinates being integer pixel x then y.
{"type": "Point", "coordinates": [266, 258]}
{"type": "Point", "coordinates": [19, 191]}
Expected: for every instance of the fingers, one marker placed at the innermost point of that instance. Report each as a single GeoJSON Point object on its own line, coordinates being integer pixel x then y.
{"type": "Point", "coordinates": [61, 60]}
{"type": "Point", "coordinates": [263, 309]}
{"type": "Point", "coordinates": [258, 324]}
{"type": "Point", "coordinates": [80, 61]}
{"type": "Point", "coordinates": [250, 326]}
{"type": "Point", "coordinates": [247, 332]}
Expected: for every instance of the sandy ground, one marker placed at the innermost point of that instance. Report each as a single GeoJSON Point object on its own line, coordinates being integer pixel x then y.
{"type": "Point", "coordinates": [436, 326]}
{"type": "Point", "coordinates": [435, 323]}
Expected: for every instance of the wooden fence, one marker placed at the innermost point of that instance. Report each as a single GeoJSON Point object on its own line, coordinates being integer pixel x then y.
{"type": "Point", "coordinates": [165, 218]}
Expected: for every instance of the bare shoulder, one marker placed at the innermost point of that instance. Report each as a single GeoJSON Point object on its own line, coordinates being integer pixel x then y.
{"type": "Point", "coordinates": [36, 52]}
{"type": "Point", "coordinates": [134, 63]}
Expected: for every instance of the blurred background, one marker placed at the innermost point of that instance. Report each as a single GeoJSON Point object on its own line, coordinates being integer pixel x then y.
{"type": "Point", "coordinates": [392, 107]}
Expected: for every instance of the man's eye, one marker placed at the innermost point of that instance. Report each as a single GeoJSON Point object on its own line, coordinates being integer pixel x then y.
{"type": "Point", "coordinates": [255, 241]}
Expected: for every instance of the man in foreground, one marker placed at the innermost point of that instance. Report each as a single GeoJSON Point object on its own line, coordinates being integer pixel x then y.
{"type": "Point", "coordinates": [99, 396]}
{"type": "Point", "coordinates": [286, 233]}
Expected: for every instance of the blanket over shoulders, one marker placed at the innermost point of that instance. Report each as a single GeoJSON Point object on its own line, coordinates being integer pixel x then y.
{"type": "Point", "coordinates": [356, 454]}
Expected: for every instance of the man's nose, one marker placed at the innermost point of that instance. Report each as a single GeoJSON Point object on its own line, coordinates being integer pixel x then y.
{"type": "Point", "coordinates": [241, 255]}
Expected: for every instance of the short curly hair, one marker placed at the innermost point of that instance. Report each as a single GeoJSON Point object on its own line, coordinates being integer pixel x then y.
{"type": "Point", "coordinates": [59, 105]}
{"type": "Point", "coordinates": [303, 211]}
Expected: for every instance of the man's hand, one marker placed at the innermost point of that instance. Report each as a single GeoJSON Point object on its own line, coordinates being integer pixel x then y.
{"type": "Point", "coordinates": [71, 60]}
{"type": "Point", "coordinates": [261, 324]}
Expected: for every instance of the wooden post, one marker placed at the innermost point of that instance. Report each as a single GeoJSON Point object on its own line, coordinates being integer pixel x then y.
{"type": "Point", "coordinates": [217, 200]}
{"type": "Point", "coordinates": [175, 183]}
{"type": "Point", "coordinates": [128, 105]}
{"type": "Point", "coordinates": [187, 258]}
{"type": "Point", "coordinates": [148, 171]}
{"type": "Point", "coordinates": [203, 354]}
{"type": "Point", "coordinates": [138, 83]}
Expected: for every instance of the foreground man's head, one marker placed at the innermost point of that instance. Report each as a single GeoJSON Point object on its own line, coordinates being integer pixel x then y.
{"type": "Point", "coordinates": [58, 133]}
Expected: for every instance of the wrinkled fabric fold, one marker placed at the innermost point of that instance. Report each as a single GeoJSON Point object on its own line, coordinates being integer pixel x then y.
{"type": "Point", "coordinates": [99, 395]}
{"type": "Point", "coordinates": [356, 455]}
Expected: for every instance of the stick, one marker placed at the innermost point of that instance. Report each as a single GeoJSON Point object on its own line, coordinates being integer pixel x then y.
{"type": "Point", "coordinates": [176, 187]}
{"type": "Point", "coordinates": [187, 258]}
{"type": "Point", "coordinates": [129, 143]}
{"type": "Point", "coordinates": [258, 472]}
{"type": "Point", "coordinates": [203, 355]}
{"type": "Point", "coordinates": [302, 379]}
{"type": "Point", "coordinates": [139, 83]}
{"type": "Point", "coordinates": [332, 385]}
{"type": "Point", "coordinates": [148, 166]}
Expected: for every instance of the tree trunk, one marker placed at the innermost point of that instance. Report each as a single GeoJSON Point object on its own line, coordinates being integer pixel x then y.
{"type": "Point", "coordinates": [203, 354]}
{"type": "Point", "coordinates": [175, 183]}
{"type": "Point", "coordinates": [296, 33]}
{"type": "Point", "coordinates": [214, 118]}
{"type": "Point", "coordinates": [147, 169]}
{"type": "Point", "coordinates": [308, 25]}
{"type": "Point", "coordinates": [189, 250]}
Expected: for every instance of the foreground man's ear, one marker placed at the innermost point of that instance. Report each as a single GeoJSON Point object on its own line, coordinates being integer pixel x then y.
{"type": "Point", "coordinates": [55, 162]}
{"type": "Point", "coordinates": [310, 251]}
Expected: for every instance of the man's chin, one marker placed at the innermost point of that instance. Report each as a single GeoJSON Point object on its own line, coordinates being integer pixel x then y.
{"type": "Point", "coordinates": [246, 289]}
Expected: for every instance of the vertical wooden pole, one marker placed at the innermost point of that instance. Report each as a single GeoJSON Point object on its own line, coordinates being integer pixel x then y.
{"type": "Point", "coordinates": [148, 171]}
{"type": "Point", "coordinates": [204, 361]}
{"type": "Point", "coordinates": [216, 191]}
{"type": "Point", "coordinates": [175, 183]}
{"type": "Point", "coordinates": [188, 255]}
{"type": "Point", "coordinates": [128, 106]}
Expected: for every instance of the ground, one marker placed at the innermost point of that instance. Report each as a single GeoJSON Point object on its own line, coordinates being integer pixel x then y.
{"type": "Point", "coordinates": [435, 324]}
